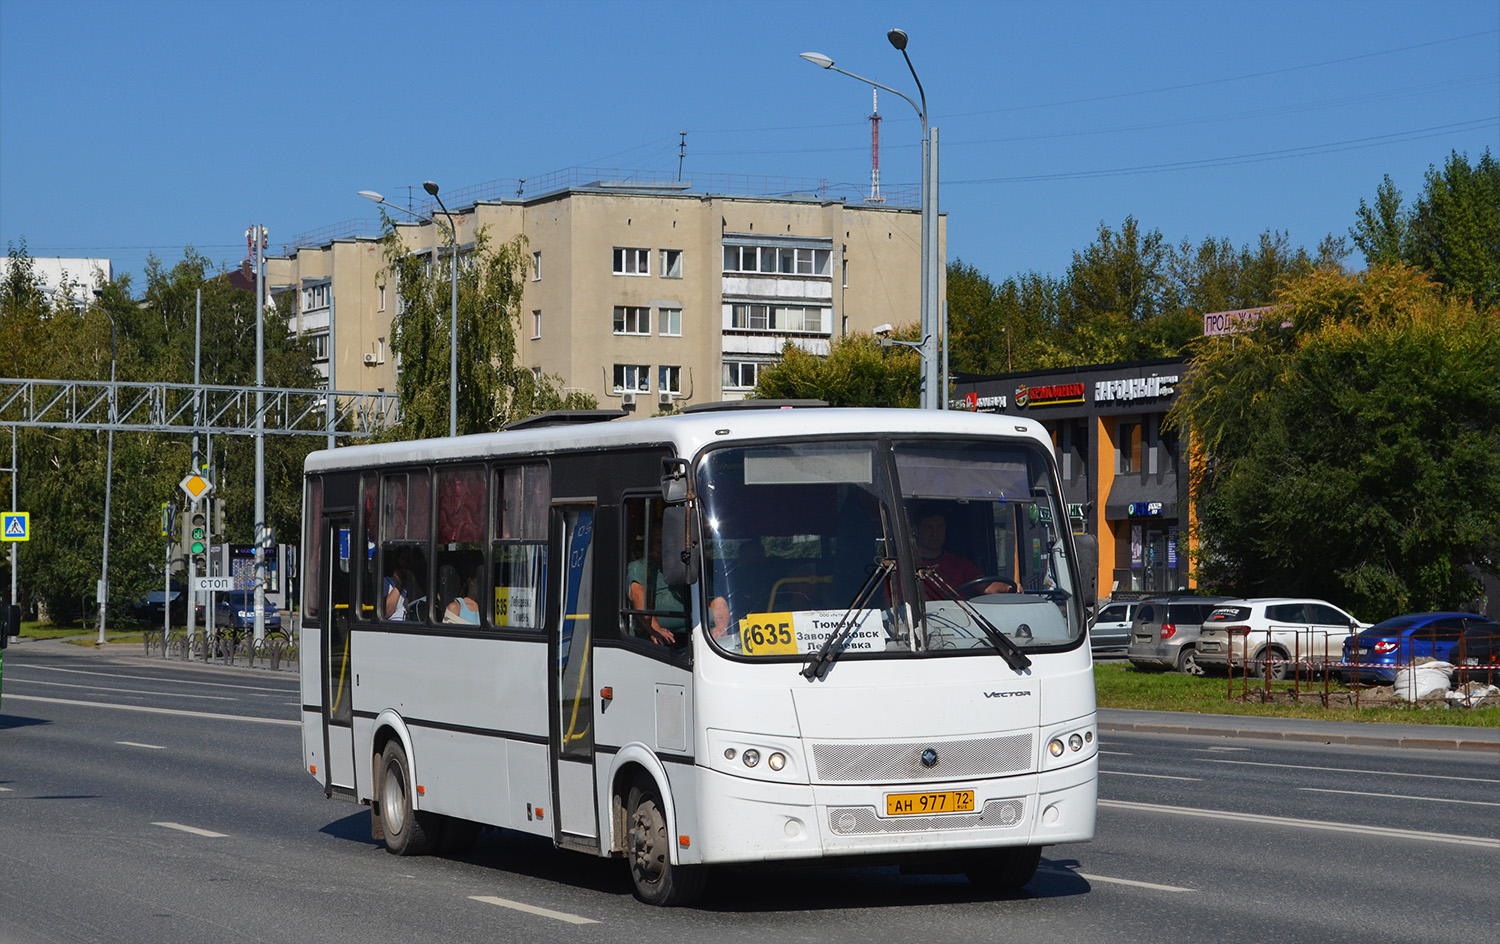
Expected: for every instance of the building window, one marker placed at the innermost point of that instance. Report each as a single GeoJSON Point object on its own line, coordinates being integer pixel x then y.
{"type": "Point", "coordinates": [633, 377]}
{"type": "Point", "coordinates": [632, 261]}
{"type": "Point", "coordinates": [774, 260]}
{"type": "Point", "coordinates": [669, 322]}
{"type": "Point", "coordinates": [536, 267]}
{"type": "Point", "coordinates": [671, 263]}
{"type": "Point", "coordinates": [1128, 447]}
{"type": "Point", "coordinates": [316, 296]}
{"type": "Point", "coordinates": [779, 318]}
{"type": "Point", "coordinates": [536, 325]}
{"type": "Point", "coordinates": [632, 320]}
{"type": "Point", "coordinates": [320, 345]}
{"type": "Point", "coordinates": [382, 299]}
{"type": "Point", "coordinates": [741, 375]}
{"type": "Point", "coordinates": [669, 379]}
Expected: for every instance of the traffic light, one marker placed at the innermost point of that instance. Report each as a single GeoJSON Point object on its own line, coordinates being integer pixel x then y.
{"type": "Point", "coordinates": [198, 541]}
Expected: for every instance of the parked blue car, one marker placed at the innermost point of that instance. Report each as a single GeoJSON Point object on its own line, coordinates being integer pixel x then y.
{"type": "Point", "coordinates": [1400, 640]}
{"type": "Point", "coordinates": [236, 611]}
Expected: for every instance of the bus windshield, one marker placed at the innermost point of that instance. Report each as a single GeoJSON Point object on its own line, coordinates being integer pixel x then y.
{"type": "Point", "coordinates": [890, 547]}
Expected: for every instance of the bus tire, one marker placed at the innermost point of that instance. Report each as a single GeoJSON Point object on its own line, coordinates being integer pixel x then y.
{"type": "Point", "coordinates": [1003, 871]}
{"type": "Point", "coordinates": [408, 831]}
{"type": "Point", "coordinates": [648, 851]}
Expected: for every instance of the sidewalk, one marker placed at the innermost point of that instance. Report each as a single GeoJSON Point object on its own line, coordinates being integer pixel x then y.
{"type": "Point", "coordinates": [1305, 730]}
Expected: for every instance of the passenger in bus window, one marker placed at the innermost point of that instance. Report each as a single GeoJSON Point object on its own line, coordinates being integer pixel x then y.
{"type": "Point", "coordinates": [463, 608]}
{"type": "Point", "coordinates": [953, 569]}
{"type": "Point", "coordinates": [644, 572]}
{"type": "Point", "coordinates": [745, 578]}
{"type": "Point", "coordinates": [395, 594]}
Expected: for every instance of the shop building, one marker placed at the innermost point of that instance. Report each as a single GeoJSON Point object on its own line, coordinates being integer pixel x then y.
{"type": "Point", "coordinates": [1124, 473]}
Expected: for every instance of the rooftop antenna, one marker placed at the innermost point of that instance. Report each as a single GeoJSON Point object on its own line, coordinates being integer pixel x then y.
{"type": "Point", "coordinates": [681, 153]}
{"type": "Point", "coordinates": [875, 196]}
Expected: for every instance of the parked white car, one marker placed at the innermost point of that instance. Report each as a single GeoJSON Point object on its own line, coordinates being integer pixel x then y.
{"type": "Point", "coordinates": [1278, 632]}
{"type": "Point", "coordinates": [1110, 630]}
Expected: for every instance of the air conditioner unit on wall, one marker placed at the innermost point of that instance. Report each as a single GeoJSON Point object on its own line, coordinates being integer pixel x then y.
{"type": "Point", "coordinates": [627, 399]}
{"type": "Point", "coordinates": [664, 397]}
{"type": "Point", "coordinates": [370, 360]}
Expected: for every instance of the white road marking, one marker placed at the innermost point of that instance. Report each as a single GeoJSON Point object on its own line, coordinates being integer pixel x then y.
{"type": "Point", "coordinates": [152, 747]}
{"type": "Point", "coordinates": [127, 691]}
{"type": "Point", "coordinates": [6, 790]}
{"type": "Point", "coordinates": [149, 678]}
{"type": "Point", "coordinates": [1397, 796]}
{"type": "Point", "coordinates": [1347, 770]}
{"type": "Point", "coordinates": [1118, 753]}
{"type": "Point", "coordinates": [157, 711]}
{"type": "Point", "coordinates": [1380, 831]}
{"type": "Point", "coordinates": [1221, 750]}
{"type": "Point", "coordinates": [533, 909]}
{"type": "Point", "coordinates": [1118, 881]}
{"type": "Point", "coordinates": [1126, 773]}
{"type": "Point", "coordinates": [208, 833]}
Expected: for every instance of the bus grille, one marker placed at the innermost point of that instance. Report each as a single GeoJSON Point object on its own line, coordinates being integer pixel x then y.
{"type": "Point", "coordinates": [902, 762]}
{"type": "Point", "coordinates": [858, 820]}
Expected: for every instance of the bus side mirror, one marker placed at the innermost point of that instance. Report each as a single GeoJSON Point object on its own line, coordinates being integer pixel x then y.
{"type": "Point", "coordinates": [674, 481]}
{"type": "Point", "coordinates": [679, 553]}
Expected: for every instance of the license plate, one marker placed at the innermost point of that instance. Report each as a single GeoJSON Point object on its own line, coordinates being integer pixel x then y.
{"type": "Point", "coordinates": [948, 801]}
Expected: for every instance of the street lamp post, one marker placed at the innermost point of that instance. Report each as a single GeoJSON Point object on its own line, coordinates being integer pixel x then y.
{"type": "Point", "coordinates": [432, 188]}
{"type": "Point", "coordinates": [932, 397]}
{"type": "Point", "coordinates": [109, 472]}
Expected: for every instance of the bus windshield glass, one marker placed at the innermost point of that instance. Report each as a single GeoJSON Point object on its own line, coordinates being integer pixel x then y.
{"type": "Point", "coordinates": [889, 548]}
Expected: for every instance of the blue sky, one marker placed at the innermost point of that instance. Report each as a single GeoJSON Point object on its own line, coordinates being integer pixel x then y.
{"type": "Point", "coordinates": [129, 128]}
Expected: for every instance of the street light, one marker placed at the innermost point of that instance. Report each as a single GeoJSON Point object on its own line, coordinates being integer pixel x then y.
{"type": "Point", "coordinates": [432, 188]}
{"type": "Point", "coordinates": [932, 397]}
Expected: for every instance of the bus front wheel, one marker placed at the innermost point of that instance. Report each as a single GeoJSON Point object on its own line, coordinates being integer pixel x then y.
{"type": "Point", "coordinates": [1003, 871]}
{"type": "Point", "coordinates": [648, 850]}
{"type": "Point", "coordinates": [407, 831]}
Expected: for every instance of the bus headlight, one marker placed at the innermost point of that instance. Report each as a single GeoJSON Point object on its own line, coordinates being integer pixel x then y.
{"type": "Point", "coordinates": [776, 761]}
{"type": "Point", "coordinates": [1075, 742]}
{"type": "Point", "coordinates": [1055, 747]}
{"type": "Point", "coordinates": [751, 757]}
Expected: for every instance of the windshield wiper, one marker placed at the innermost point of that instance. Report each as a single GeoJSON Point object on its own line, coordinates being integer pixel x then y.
{"type": "Point", "coordinates": [833, 646]}
{"type": "Point", "coordinates": [1008, 650]}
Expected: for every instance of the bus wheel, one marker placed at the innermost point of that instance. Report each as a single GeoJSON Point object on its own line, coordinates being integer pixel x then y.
{"type": "Point", "coordinates": [407, 831]}
{"type": "Point", "coordinates": [1002, 871]}
{"type": "Point", "coordinates": [657, 880]}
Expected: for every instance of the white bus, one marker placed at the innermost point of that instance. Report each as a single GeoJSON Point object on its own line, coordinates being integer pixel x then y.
{"type": "Point", "coordinates": [735, 635]}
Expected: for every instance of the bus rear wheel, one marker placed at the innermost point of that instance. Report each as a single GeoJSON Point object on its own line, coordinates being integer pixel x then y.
{"type": "Point", "coordinates": [407, 831]}
{"type": "Point", "coordinates": [647, 848]}
{"type": "Point", "coordinates": [1003, 871]}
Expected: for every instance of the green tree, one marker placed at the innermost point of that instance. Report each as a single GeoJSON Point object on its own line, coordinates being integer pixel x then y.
{"type": "Point", "coordinates": [1352, 456]}
{"type": "Point", "coordinates": [1452, 231]}
{"type": "Point", "coordinates": [1455, 229]}
{"type": "Point", "coordinates": [858, 371]}
{"type": "Point", "coordinates": [493, 389]}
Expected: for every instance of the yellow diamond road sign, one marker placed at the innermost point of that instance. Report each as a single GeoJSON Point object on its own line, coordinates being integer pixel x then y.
{"type": "Point", "coordinates": [195, 486]}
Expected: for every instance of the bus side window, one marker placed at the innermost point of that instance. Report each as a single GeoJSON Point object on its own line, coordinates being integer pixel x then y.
{"type": "Point", "coordinates": [650, 609]}
{"type": "Point", "coordinates": [518, 586]}
{"type": "Point", "coordinates": [458, 555]}
{"type": "Point", "coordinates": [406, 533]}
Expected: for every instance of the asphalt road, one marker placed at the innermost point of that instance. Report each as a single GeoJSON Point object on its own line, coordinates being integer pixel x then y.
{"type": "Point", "coordinates": [161, 802]}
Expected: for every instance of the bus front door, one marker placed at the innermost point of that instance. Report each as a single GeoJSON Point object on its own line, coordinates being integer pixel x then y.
{"type": "Point", "coordinates": [576, 821]}
{"type": "Point", "coordinates": [338, 687]}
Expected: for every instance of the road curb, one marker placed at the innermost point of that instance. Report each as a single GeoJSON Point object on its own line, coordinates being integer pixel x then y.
{"type": "Point", "coordinates": [1419, 741]}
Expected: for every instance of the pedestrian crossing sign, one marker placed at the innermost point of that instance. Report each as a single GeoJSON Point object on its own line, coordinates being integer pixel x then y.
{"type": "Point", "coordinates": [15, 526]}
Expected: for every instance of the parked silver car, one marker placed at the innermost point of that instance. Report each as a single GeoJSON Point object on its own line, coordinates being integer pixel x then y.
{"type": "Point", "coordinates": [1110, 631]}
{"type": "Point", "coordinates": [1165, 631]}
{"type": "Point", "coordinates": [1275, 633]}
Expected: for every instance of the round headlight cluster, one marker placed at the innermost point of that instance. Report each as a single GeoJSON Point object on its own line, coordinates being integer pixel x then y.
{"type": "Point", "coordinates": [751, 757]}
{"type": "Point", "coordinates": [1075, 742]}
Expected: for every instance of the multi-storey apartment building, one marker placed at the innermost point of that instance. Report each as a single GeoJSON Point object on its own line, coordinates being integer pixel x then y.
{"type": "Point", "coordinates": [645, 295]}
